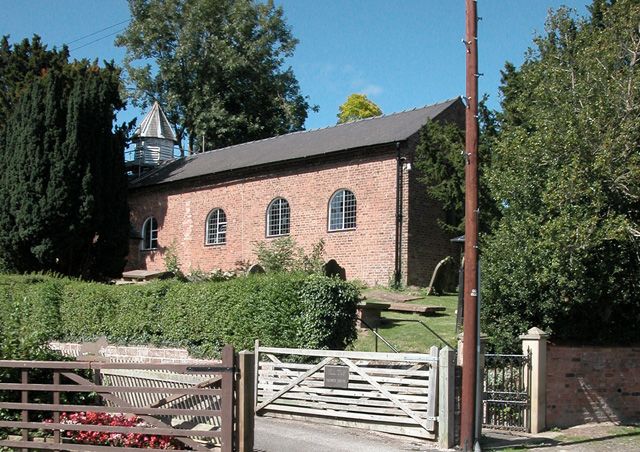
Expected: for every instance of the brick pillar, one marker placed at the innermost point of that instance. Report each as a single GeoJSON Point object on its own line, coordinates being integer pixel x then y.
{"type": "Point", "coordinates": [535, 342]}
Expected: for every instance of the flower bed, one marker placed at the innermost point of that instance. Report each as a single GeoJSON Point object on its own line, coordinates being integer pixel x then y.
{"type": "Point", "coordinates": [136, 440]}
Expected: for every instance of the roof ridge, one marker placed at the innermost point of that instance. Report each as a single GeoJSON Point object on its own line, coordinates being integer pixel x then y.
{"type": "Point", "coordinates": [328, 127]}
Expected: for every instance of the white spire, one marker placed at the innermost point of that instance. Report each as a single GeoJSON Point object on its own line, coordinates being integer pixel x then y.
{"type": "Point", "coordinates": [155, 125]}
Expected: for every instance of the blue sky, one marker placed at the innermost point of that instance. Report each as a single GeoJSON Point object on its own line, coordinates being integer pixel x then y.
{"type": "Point", "coordinates": [401, 53]}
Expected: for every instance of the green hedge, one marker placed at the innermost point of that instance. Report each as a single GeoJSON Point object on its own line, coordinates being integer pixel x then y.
{"type": "Point", "coordinates": [282, 310]}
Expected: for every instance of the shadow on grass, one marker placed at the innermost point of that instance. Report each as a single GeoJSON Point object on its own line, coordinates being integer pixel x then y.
{"type": "Point", "coordinates": [390, 323]}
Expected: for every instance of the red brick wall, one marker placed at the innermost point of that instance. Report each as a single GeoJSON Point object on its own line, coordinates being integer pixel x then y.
{"type": "Point", "coordinates": [367, 253]}
{"type": "Point", "coordinates": [592, 384]}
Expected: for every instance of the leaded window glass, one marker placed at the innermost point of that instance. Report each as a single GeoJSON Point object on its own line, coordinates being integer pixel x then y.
{"type": "Point", "coordinates": [150, 234]}
{"type": "Point", "coordinates": [278, 217]}
{"type": "Point", "coordinates": [216, 227]}
{"type": "Point", "coordinates": [342, 211]}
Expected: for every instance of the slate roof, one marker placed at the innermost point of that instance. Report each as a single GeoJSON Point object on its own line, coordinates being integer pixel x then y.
{"type": "Point", "coordinates": [297, 145]}
{"type": "Point", "coordinates": [155, 125]}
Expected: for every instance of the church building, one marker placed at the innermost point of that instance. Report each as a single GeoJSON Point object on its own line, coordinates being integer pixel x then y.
{"type": "Point", "coordinates": [351, 185]}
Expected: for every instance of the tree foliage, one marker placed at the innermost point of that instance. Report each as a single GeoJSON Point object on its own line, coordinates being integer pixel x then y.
{"type": "Point", "coordinates": [566, 170]}
{"type": "Point", "coordinates": [20, 64]}
{"type": "Point", "coordinates": [440, 160]}
{"type": "Point", "coordinates": [357, 106]}
{"type": "Point", "coordinates": [218, 68]}
{"type": "Point", "coordinates": [62, 184]}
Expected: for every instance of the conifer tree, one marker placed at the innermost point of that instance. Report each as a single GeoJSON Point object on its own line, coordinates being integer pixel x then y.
{"type": "Point", "coordinates": [63, 181]}
{"type": "Point", "coordinates": [20, 64]}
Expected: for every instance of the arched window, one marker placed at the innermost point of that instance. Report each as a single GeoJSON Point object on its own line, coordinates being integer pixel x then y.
{"type": "Point", "coordinates": [342, 211]}
{"type": "Point", "coordinates": [216, 227]}
{"type": "Point", "coordinates": [278, 217]}
{"type": "Point", "coordinates": [150, 234]}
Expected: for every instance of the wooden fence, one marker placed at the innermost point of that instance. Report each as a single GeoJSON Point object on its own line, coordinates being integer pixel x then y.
{"type": "Point", "coordinates": [192, 403]}
{"type": "Point", "coordinates": [389, 392]}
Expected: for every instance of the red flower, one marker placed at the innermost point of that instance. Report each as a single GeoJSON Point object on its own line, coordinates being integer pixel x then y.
{"type": "Point", "coordinates": [135, 440]}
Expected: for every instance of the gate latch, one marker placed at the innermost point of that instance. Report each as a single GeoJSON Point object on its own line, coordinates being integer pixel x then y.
{"type": "Point", "coordinates": [433, 418]}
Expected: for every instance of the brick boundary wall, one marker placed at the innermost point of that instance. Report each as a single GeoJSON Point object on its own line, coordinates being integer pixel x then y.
{"type": "Point", "coordinates": [140, 353]}
{"type": "Point", "coordinates": [592, 384]}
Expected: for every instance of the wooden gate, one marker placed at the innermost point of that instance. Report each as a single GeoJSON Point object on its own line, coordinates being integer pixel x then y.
{"type": "Point", "coordinates": [192, 403]}
{"type": "Point", "coordinates": [388, 392]}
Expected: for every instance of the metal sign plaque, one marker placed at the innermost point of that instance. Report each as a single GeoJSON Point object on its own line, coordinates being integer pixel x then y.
{"type": "Point", "coordinates": [336, 377]}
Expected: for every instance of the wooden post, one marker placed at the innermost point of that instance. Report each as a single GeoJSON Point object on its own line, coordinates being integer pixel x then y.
{"type": "Point", "coordinates": [227, 399]}
{"type": "Point", "coordinates": [469, 370]}
{"type": "Point", "coordinates": [246, 402]}
{"type": "Point", "coordinates": [446, 398]}
{"type": "Point", "coordinates": [24, 398]}
{"type": "Point", "coordinates": [433, 388]}
{"type": "Point", "coordinates": [535, 342]}
{"type": "Point", "coordinates": [256, 369]}
{"type": "Point", "coordinates": [56, 401]}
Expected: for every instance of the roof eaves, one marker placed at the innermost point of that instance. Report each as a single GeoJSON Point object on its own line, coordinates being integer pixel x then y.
{"type": "Point", "coordinates": [139, 183]}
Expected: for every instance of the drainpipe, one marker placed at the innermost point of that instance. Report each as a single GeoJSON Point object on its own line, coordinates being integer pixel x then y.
{"type": "Point", "coordinates": [397, 273]}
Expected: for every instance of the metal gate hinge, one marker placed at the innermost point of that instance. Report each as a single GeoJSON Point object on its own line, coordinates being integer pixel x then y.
{"type": "Point", "coordinates": [432, 418]}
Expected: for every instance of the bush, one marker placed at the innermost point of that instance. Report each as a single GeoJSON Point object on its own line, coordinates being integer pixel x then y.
{"type": "Point", "coordinates": [29, 316]}
{"type": "Point", "coordinates": [329, 313]}
{"type": "Point", "coordinates": [284, 255]}
{"type": "Point", "coordinates": [281, 310]}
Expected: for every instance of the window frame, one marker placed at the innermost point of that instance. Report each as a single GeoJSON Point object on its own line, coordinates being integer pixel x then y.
{"type": "Point", "coordinates": [268, 219]}
{"type": "Point", "coordinates": [148, 242]}
{"type": "Point", "coordinates": [218, 224]}
{"type": "Point", "coordinates": [342, 212]}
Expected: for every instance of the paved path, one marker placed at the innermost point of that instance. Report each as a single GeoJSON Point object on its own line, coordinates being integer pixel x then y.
{"type": "Point", "coordinates": [280, 435]}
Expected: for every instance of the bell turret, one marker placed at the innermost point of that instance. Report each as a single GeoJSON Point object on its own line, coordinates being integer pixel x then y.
{"type": "Point", "coordinates": [154, 139]}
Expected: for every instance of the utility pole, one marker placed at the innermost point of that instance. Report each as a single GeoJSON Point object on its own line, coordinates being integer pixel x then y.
{"type": "Point", "coordinates": [470, 337]}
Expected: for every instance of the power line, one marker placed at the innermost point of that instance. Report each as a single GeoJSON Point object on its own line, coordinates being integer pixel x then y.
{"type": "Point", "coordinates": [96, 32]}
{"type": "Point", "coordinates": [96, 40]}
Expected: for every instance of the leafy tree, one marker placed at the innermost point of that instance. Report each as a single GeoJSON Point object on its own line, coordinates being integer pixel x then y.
{"type": "Point", "coordinates": [357, 106]}
{"type": "Point", "coordinates": [440, 160]}
{"type": "Point", "coordinates": [566, 169]}
{"type": "Point", "coordinates": [217, 68]}
{"type": "Point", "coordinates": [63, 186]}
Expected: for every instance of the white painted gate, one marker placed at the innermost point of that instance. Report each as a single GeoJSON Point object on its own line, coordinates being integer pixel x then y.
{"type": "Point", "coordinates": [388, 392]}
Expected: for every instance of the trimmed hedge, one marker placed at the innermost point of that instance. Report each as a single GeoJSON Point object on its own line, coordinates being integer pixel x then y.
{"type": "Point", "coordinates": [282, 310]}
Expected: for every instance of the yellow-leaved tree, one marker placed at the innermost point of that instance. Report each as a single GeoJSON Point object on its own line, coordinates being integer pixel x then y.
{"type": "Point", "coordinates": [357, 106]}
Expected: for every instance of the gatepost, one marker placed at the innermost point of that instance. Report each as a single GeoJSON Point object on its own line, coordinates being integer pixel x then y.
{"type": "Point", "coordinates": [535, 342]}
{"type": "Point", "coordinates": [446, 398]}
{"type": "Point", "coordinates": [246, 401]}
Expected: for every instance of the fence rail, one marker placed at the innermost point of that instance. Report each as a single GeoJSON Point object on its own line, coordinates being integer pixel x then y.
{"type": "Point", "coordinates": [186, 393]}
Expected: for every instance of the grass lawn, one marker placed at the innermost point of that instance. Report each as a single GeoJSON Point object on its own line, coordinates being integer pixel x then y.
{"type": "Point", "coordinates": [405, 333]}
